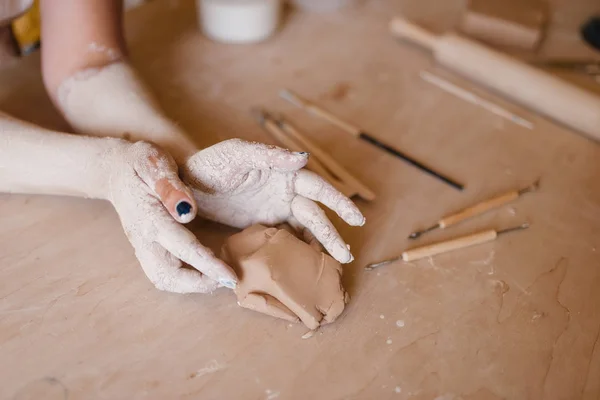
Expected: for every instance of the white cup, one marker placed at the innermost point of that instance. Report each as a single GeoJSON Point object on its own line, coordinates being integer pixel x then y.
{"type": "Point", "coordinates": [238, 21]}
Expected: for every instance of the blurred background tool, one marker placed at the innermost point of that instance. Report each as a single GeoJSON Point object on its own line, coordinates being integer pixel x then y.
{"type": "Point", "coordinates": [531, 87]}
{"type": "Point", "coordinates": [586, 67]}
{"type": "Point", "coordinates": [477, 209]}
{"type": "Point", "coordinates": [506, 23]}
{"type": "Point", "coordinates": [472, 98]}
{"type": "Point", "coordinates": [450, 245]}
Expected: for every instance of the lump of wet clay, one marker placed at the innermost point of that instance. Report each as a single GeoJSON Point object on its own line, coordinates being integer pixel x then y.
{"type": "Point", "coordinates": [284, 277]}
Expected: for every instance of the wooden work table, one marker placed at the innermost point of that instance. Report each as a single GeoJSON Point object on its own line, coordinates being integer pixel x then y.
{"type": "Point", "coordinates": [518, 318]}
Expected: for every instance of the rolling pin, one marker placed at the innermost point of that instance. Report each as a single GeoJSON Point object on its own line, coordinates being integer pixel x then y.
{"type": "Point", "coordinates": [526, 85]}
{"type": "Point", "coordinates": [477, 209]}
{"type": "Point", "coordinates": [449, 245]}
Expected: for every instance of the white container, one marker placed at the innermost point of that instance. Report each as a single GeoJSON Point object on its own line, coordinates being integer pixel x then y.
{"type": "Point", "coordinates": [238, 21]}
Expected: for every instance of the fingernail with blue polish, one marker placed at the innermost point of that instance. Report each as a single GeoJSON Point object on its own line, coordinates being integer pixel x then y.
{"type": "Point", "coordinates": [183, 208]}
{"type": "Point", "coordinates": [227, 283]}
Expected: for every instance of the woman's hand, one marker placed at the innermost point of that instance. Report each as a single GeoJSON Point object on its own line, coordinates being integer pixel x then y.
{"type": "Point", "coordinates": [152, 202]}
{"type": "Point", "coordinates": [239, 183]}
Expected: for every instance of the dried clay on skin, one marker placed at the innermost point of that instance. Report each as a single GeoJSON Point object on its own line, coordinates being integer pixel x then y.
{"type": "Point", "coordinates": [110, 101]}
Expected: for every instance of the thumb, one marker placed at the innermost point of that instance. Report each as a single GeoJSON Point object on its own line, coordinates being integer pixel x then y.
{"type": "Point", "coordinates": [158, 170]}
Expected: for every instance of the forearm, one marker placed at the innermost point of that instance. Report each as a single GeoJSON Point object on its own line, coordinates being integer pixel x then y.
{"type": "Point", "coordinates": [38, 161]}
{"type": "Point", "coordinates": [111, 101]}
{"type": "Point", "coordinates": [87, 76]}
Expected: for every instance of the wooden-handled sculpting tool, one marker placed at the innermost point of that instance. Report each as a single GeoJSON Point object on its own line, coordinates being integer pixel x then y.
{"type": "Point", "coordinates": [446, 246]}
{"type": "Point", "coordinates": [522, 83]}
{"type": "Point", "coordinates": [474, 99]}
{"type": "Point", "coordinates": [359, 133]}
{"type": "Point", "coordinates": [477, 209]}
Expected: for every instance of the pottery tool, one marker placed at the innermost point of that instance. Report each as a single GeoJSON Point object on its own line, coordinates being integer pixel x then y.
{"type": "Point", "coordinates": [529, 86]}
{"type": "Point", "coordinates": [450, 245]}
{"type": "Point", "coordinates": [269, 123]}
{"type": "Point", "coordinates": [474, 99]}
{"type": "Point", "coordinates": [590, 68]}
{"type": "Point", "coordinates": [359, 133]}
{"type": "Point", "coordinates": [477, 209]}
{"type": "Point", "coordinates": [507, 23]}
{"type": "Point", "coordinates": [328, 162]}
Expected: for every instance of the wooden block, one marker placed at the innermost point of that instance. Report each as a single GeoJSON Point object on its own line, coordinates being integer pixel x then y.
{"type": "Point", "coordinates": [507, 23]}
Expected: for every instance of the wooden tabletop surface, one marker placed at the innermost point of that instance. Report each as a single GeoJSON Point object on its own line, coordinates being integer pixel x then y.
{"type": "Point", "coordinates": [518, 318]}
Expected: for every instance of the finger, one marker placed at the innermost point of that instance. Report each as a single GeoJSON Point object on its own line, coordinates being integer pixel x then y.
{"type": "Point", "coordinates": [165, 272]}
{"type": "Point", "coordinates": [313, 217]}
{"type": "Point", "coordinates": [312, 186]}
{"type": "Point", "coordinates": [159, 171]}
{"type": "Point", "coordinates": [307, 235]}
{"type": "Point", "coordinates": [185, 246]}
{"type": "Point", "coordinates": [254, 155]}
{"type": "Point", "coordinates": [268, 305]}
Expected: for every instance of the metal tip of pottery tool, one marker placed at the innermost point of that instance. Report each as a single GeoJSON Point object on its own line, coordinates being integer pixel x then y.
{"type": "Point", "coordinates": [526, 225]}
{"type": "Point", "coordinates": [532, 188]}
{"type": "Point", "coordinates": [293, 98]}
{"type": "Point", "coordinates": [259, 114]}
{"type": "Point", "coordinates": [373, 266]}
{"type": "Point", "coordinates": [417, 234]}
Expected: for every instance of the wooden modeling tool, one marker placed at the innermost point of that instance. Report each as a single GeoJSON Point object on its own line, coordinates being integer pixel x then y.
{"type": "Point", "coordinates": [529, 86]}
{"type": "Point", "coordinates": [474, 99]}
{"type": "Point", "coordinates": [269, 123]}
{"type": "Point", "coordinates": [447, 246]}
{"type": "Point", "coordinates": [508, 23]}
{"type": "Point", "coordinates": [359, 133]}
{"type": "Point", "coordinates": [477, 209]}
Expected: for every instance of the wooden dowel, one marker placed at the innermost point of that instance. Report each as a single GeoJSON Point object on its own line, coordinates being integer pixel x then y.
{"type": "Point", "coordinates": [478, 209]}
{"type": "Point", "coordinates": [450, 245]}
{"type": "Point", "coordinates": [299, 101]}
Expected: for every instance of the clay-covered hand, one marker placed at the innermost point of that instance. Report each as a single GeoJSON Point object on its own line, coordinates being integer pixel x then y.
{"type": "Point", "coordinates": [152, 203]}
{"type": "Point", "coordinates": [284, 277]}
{"type": "Point", "coordinates": [239, 183]}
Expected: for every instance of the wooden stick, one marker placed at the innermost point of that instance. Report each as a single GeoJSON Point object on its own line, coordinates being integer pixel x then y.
{"type": "Point", "coordinates": [443, 247]}
{"type": "Point", "coordinates": [477, 209]}
{"type": "Point", "coordinates": [327, 161]}
{"type": "Point", "coordinates": [454, 244]}
{"type": "Point", "coordinates": [450, 245]}
{"type": "Point", "coordinates": [474, 99]}
{"type": "Point", "coordinates": [319, 112]}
